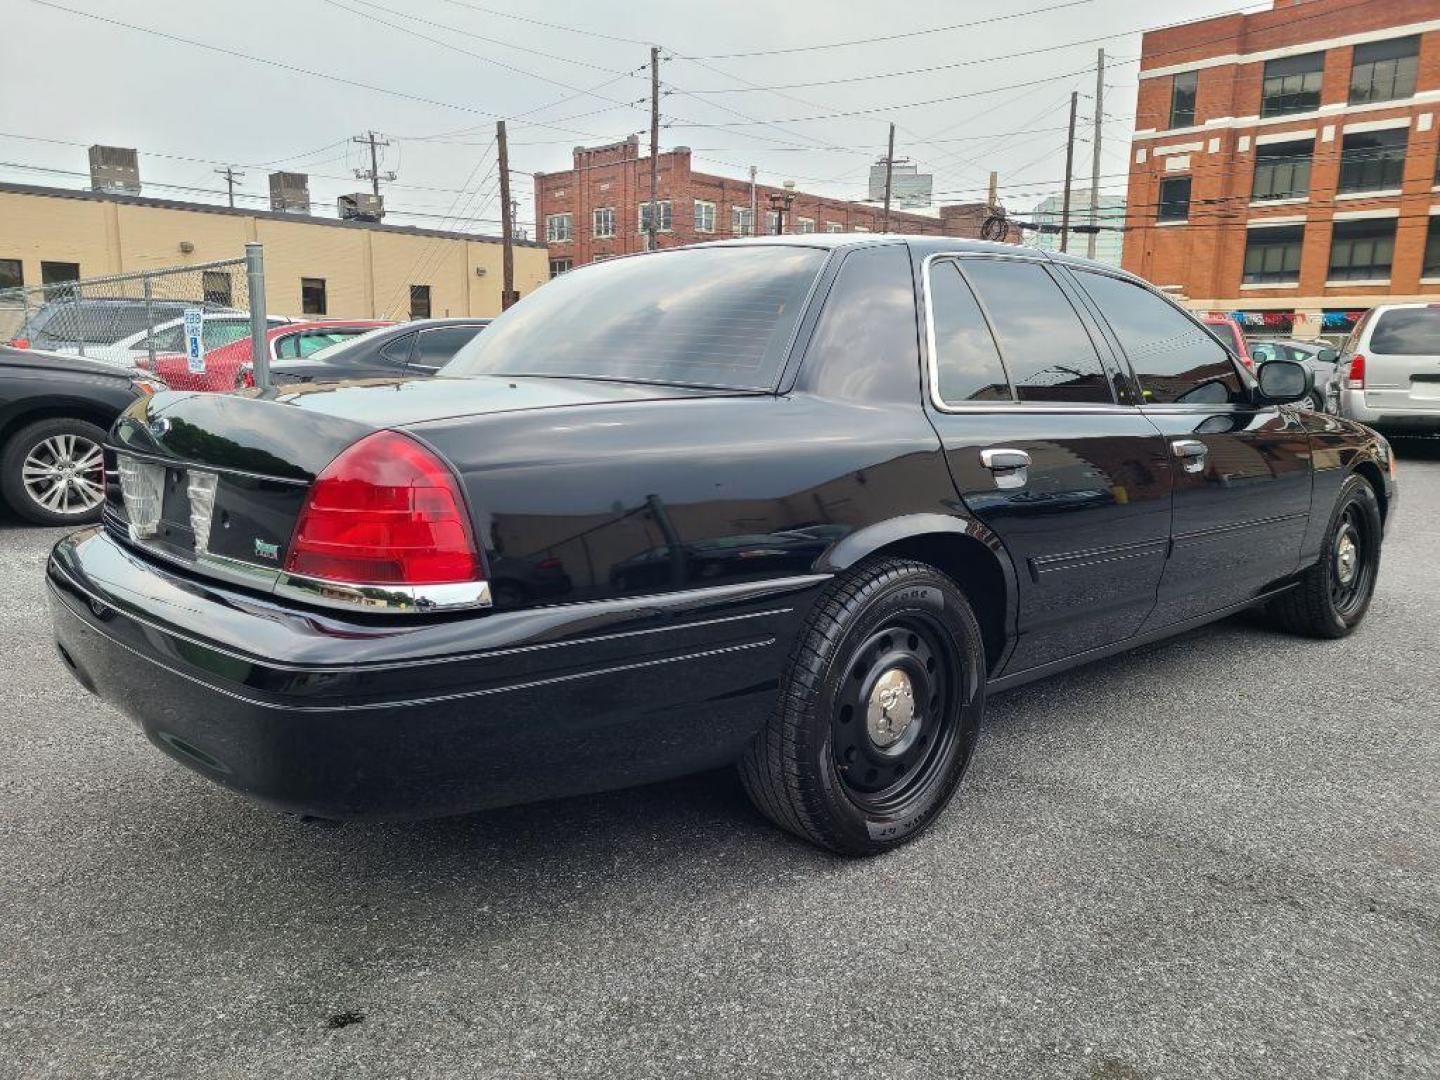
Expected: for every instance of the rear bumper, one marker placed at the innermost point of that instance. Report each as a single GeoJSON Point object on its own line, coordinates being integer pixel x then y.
{"type": "Point", "coordinates": [361, 718]}
{"type": "Point", "coordinates": [1396, 417]}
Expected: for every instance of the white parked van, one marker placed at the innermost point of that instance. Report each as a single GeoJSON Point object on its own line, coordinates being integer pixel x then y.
{"type": "Point", "coordinates": [1389, 369]}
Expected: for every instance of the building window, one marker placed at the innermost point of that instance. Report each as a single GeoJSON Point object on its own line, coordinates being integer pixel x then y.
{"type": "Point", "coordinates": [804, 225]}
{"type": "Point", "coordinates": [1431, 266]}
{"type": "Point", "coordinates": [12, 274]}
{"type": "Point", "coordinates": [666, 221]}
{"type": "Point", "coordinates": [601, 258]}
{"type": "Point", "coordinates": [772, 222]}
{"type": "Point", "coordinates": [559, 228]}
{"type": "Point", "coordinates": [1384, 70]}
{"type": "Point", "coordinates": [742, 221]}
{"type": "Point", "coordinates": [834, 227]}
{"type": "Point", "coordinates": [560, 266]}
{"type": "Point", "coordinates": [861, 228]}
{"type": "Point", "coordinates": [1292, 84]}
{"type": "Point", "coordinates": [1373, 160]}
{"type": "Point", "coordinates": [420, 301]}
{"type": "Point", "coordinates": [1272, 256]}
{"type": "Point", "coordinates": [1182, 99]}
{"type": "Point", "coordinates": [1282, 170]}
{"type": "Point", "coordinates": [58, 273]}
{"type": "Point", "coordinates": [704, 216]}
{"type": "Point", "coordinates": [602, 222]}
{"type": "Point", "coordinates": [217, 287]}
{"type": "Point", "coordinates": [1174, 199]}
{"type": "Point", "coordinates": [1362, 250]}
{"type": "Point", "coordinates": [312, 296]}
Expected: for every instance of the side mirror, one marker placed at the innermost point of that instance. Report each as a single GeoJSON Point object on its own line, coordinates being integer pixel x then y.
{"type": "Point", "coordinates": [1327, 356]}
{"type": "Point", "coordinates": [1283, 381]}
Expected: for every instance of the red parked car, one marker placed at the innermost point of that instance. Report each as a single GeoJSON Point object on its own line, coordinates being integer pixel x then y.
{"type": "Point", "coordinates": [1228, 331]}
{"type": "Point", "coordinates": [230, 368]}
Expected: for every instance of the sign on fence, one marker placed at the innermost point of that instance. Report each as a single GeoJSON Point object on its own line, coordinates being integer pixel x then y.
{"type": "Point", "coordinates": [195, 340]}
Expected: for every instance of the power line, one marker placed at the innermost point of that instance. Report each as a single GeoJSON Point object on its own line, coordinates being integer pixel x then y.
{"type": "Point", "coordinates": [293, 68]}
{"type": "Point", "coordinates": [891, 37]}
{"type": "Point", "coordinates": [547, 25]}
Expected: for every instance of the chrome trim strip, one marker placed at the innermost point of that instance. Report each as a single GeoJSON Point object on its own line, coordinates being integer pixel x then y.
{"type": "Point", "coordinates": [423, 599]}
{"type": "Point", "coordinates": [996, 408]}
{"type": "Point", "coordinates": [177, 463]}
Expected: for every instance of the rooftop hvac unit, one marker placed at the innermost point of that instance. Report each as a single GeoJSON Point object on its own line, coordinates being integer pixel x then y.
{"type": "Point", "coordinates": [290, 192]}
{"type": "Point", "coordinates": [114, 168]}
{"type": "Point", "coordinates": [362, 206]}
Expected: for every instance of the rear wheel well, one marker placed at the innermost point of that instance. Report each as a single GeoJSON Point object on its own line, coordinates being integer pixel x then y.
{"type": "Point", "coordinates": [972, 566]}
{"type": "Point", "coordinates": [53, 412]}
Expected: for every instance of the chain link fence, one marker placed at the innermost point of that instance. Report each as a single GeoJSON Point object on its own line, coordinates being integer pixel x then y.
{"type": "Point", "coordinates": [138, 320]}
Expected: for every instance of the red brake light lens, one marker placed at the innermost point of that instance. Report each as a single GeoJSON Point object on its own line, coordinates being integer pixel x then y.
{"type": "Point", "coordinates": [1355, 377]}
{"type": "Point", "coordinates": [385, 512]}
{"type": "Point", "coordinates": [20, 343]}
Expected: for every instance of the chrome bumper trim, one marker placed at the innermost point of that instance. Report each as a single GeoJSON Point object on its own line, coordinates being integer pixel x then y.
{"type": "Point", "coordinates": [387, 598]}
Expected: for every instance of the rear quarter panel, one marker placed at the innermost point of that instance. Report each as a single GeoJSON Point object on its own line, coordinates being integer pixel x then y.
{"type": "Point", "coordinates": [629, 498]}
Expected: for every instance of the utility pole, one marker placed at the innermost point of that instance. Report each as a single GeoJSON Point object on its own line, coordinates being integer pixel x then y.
{"type": "Point", "coordinates": [508, 295]}
{"type": "Point", "coordinates": [889, 174]}
{"type": "Point", "coordinates": [753, 209]}
{"type": "Point", "coordinates": [1095, 154]}
{"type": "Point", "coordinates": [373, 174]}
{"type": "Point", "coordinates": [780, 203]}
{"type": "Point", "coordinates": [653, 233]}
{"type": "Point", "coordinates": [230, 177]}
{"type": "Point", "coordinates": [992, 195]}
{"type": "Point", "coordinates": [1069, 171]}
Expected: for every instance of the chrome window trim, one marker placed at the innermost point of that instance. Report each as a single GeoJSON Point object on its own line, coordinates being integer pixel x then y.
{"type": "Point", "coordinates": [999, 408]}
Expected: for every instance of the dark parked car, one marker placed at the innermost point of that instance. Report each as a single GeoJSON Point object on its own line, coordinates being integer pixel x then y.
{"type": "Point", "coordinates": [886, 476]}
{"type": "Point", "coordinates": [420, 347]}
{"type": "Point", "coordinates": [54, 410]}
{"type": "Point", "coordinates": [66, 323]}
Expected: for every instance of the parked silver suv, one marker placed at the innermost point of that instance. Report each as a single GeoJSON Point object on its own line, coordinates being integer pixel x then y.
{"type": "Point", "coordinates": [1389, 369]}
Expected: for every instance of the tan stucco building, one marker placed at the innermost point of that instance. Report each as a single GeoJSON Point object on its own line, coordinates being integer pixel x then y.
{"type": "Point", "coordinates": [367, 269]}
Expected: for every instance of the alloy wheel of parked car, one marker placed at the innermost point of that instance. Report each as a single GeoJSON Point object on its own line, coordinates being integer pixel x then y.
{"type": "Point", "coordinates": [1334, 594]}
{"type": "Point", "coordinates": [54, 472]}
{"type": "Point", "coordinates": [878, 713]}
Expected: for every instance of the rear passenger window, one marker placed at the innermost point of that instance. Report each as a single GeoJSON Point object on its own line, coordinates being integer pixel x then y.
{"type": "Point", "coordinates": [866, 347]}
{"type": "Point", "coordinates": [967, 360]}
{"type": "Point", "coordinates": [1046, 348]}
{"type": "Point", "coordinates": [1176, 361]}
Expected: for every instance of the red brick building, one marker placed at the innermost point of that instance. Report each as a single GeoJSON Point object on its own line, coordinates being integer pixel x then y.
{"type": "Point", "coordinates": [594, 210]}
{"type": "Point", "coordinates": [1284, 162]}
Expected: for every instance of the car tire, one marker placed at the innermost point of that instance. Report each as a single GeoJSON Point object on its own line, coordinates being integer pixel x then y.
{"type": "Point", "coordinates": [1333, 595]}
{"type": "Point", "coordinates": [64, 443]}
{"type": "Point", "coordinates": [1316, 402]}
{"type": "Point", "coordinates": [834, 764]}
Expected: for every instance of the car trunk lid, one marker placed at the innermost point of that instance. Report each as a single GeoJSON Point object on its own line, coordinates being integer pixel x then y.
{"type": "Point", "coordinates": [217, 482]}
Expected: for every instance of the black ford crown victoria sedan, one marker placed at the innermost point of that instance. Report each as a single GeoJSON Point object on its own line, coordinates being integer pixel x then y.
{"type": "Point", "coordinates": [799, 504]}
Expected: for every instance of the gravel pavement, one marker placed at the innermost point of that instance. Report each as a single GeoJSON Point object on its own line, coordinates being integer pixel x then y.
{"type": "Point", "coordinates": [1214, 857]}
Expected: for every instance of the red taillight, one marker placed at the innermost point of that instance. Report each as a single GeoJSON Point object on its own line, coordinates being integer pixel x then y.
{"type": "Point", "coordinates": [386, 511]}
{"type": "Point", "coordinates": [20, 342]}
{"type": "Point", "coordinates": [1355, 377]}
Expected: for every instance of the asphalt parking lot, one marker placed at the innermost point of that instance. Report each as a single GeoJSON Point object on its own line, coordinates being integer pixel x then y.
{"type": "Point", "coordinates": [1214, 857]}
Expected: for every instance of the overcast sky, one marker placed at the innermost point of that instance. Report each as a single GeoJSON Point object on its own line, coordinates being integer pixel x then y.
{"type": "Point", "coordinates": [78, 80]}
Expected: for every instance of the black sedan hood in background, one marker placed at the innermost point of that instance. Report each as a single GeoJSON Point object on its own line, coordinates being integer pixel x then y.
{"type": "Point", "coordinates": [40, 360]}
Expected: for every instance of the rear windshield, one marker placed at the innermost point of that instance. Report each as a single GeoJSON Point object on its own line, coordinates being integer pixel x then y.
{"type": "Point", "coordinates": [1408, 332]}
{"type": "Point", "coordinates": [1226, 333]}
{"type": "Point", "coordinates": [699, 316]}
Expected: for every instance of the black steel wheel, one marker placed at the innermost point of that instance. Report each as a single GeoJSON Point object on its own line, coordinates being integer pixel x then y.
{"type": "Point", "coordinates": [878, 714]}
{"type": "Point", "coordinates": [1333, 595]}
